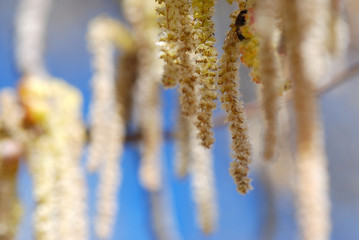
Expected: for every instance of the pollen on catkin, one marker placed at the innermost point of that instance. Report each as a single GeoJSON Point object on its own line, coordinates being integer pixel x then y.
{"type": "Point", "coordinates": [206, 68]}
{"type": "Point", "coordinates": [228, 81]}
{"type": "Point", "coordinates": [168, 39]}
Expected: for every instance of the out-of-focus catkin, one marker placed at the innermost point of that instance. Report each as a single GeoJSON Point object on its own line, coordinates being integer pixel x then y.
{"type": "Point", "coordinates": [11, 115]}
{"type": "Point", "coordinates": [142, 16]}
{"type": "Point", "coordinates": [206, 68]}
{"type": "Point", "coordinates": [183, 153]}
{"type": "Point", "coordinates": [108, 118]}
{"type": "Point", "coordinates": [306, 43]}
{"type": "Point", "coordinates": [228, 85]}
{"type": "Point", "coordinates": [53, 150]}
{"type": "Point", "coordinates": [265, 27]}
{"type": "Point", "coordinates": [203, 183]}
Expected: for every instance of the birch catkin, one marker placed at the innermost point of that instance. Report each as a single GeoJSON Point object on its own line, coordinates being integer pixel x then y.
{"type": "Point", "coordinates": [228, 85]}
{"type": "Point", "coordinates": [265, 27]}
{"type": "Point", "coordinates": [304, 28]}
{"type": "Point", "coordinates": [206, 62]}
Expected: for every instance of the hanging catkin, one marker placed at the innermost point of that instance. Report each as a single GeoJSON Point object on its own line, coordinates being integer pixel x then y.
{"type": "Point", "coordinates": [228, 85]}
{"type": "Point", "coordinates": [206, 67]}
{"type": "Point", "coordinates": [183, 153]}
{"type": "Point", "coordinates": [142, 16]}
{"type": "Point", "coordinates": [306, 37]}
{"type": "Point", "coordinates": [265, 27]}
{"type": "Point", "coordinates": [53, 150]}
{"type": "Point", "coordinates": [203, 184]}
{"type": "Point", "coordinates": [108, 119]}
{"type": "Point", "coordinates": [31, 22]}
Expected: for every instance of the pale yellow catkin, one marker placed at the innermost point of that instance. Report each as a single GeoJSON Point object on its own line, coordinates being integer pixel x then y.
{"type": "Point", "coordinates": [206, 68]}
{"type": "Point", "coordinates": [228, 83]}
{"type": "Point", "coordinates": [168, 21]}
{"type": "Point", "coordinates": [108, 118]}
{"type": "Point", "coordinates": [53, 150]}
{"type": "Point", "coordinates": [306, 39]}
{"type": "Point", "coordinates": [265, 27]}
{"type": "Point", "coordinates": [203, 184]}
{"type": "Point", "coordinates": [142, 16]}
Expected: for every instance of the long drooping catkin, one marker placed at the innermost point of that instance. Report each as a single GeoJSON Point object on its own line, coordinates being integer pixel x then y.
{"type": "Point", "coordinates": [53, 150]}
{"type": "Point", "coordinates": [142, 16]}
{"type": "Point", "coordinates": [31, 23]}
{"type": "Point", "coordinates": [268, 71]}
{"type": "Point", "coordinates": [228, 85]}
{"type": "Point", "coordinates": [305, 20]}
{"type": "Point", "coordinates": [108, 118]}
{"type": "Point", "coordinates": [206, 67]}
{"type": "Point", "coordinates": [203, 184]}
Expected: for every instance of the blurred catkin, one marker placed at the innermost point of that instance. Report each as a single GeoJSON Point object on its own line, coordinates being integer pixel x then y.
{"type": "Point", "coordinates": [108, 117]}
{"type": "Point", "coordinates": [142, 16]}
{"type": "Point", "coordinates": [53, 151]}
{"type": "Point", "coordinates": [228, 85]}
{"type": "Point", "coordinates": [11, 115]}
{"type": "Point", "coordinates": [206, 68]}
{"type": "Point", "coordinates": [305, 26]}
{"type": "Point", "coordinates": [265, 27]}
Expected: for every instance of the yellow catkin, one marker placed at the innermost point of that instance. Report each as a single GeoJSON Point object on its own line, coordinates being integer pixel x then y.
{"type": "Point", "coordinates": [53, 151]}
{"type": "Point", "coordinates": [206, 67]}
{"type": "Point", "coordinates": [10, 122]}
{"type": "Point", "coordinates": [31, 23]}
{"type": "Point", "coordinates": [228, 85]}
{"type": "Point", "coordinates": [183, 146]}
{"type": "Point", "coordinates": [305, 20]}
{"type": "Point", "coordinates": [168, 21]}
{"type": "Point", "coordinates": [142, 16]}
{"type": "Point", "coordinates": [268, 72]}
{"type": "Point", "coordinates": [108, 118]}
{"type": "Point", "coordinates": [203, 183]}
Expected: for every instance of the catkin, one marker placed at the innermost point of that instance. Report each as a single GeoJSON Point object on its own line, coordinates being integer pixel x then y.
{"type": "Point", "coordinates": [31, 23]}
{"type": "Point", "coordinates": [228, 86]}
{"type": "Point", "coordinates": [108, 119]}
{"type": "Point", "coordinates": [183, 153]}
{"type": "Point", "coordinates": [268, 72]}
{"type": "Point", "coordinates": [206, 62]}
{"type": "Point", "coordinates": [203, 184]}
{"type": "Point", "coordinates": [142, 16]}
{"type": "Point", "coordinates": [305, 20]}
{"type": "Point", "coordinates": [53, 150]}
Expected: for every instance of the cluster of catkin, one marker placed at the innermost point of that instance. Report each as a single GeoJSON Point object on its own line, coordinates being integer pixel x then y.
{"type": "Point", "coordinates": [53, 149]}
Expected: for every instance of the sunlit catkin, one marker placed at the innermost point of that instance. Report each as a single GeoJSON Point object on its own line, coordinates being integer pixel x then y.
{"type": "Point", "coordinates": [203, 183]}
{"type": "Point", "coordinates": [53, 150]}
{"type": "Point", "coordinates": [142, 16]}
{"type": "Point", "coordinates": [306, 37]}
{"type": "Point", "coordinates": [228, 81]}
{"type": "Point", "coordinates": [268, 71]}
{"type": "Point", "coordinates": [206, 67]}
{"type": "Point", "coordinates": [168, 21]}
{"type": "Point", "coordinates": [108, 119]}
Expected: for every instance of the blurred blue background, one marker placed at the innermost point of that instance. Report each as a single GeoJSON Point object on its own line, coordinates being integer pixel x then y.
{"type": "Point", "coordinates": [240, 217]}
